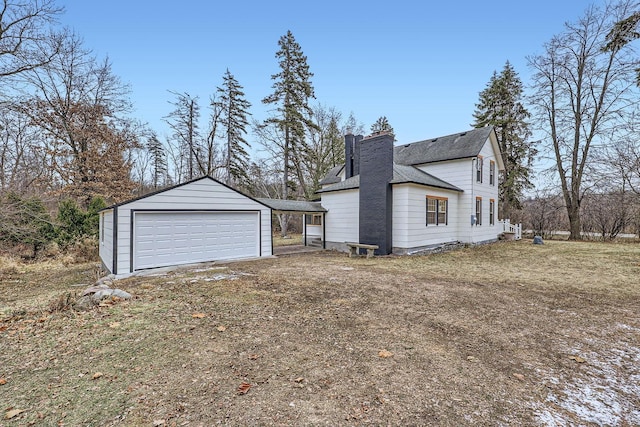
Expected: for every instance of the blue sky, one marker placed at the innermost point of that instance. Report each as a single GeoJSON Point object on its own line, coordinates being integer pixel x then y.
{"type": "Point", "coordinates": [420, 64]}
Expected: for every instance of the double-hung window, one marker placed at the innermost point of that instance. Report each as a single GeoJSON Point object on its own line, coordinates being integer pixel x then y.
{"type": "Point", "coordinates": [479, 168]}
{"type": "Point", "coordinates": [437, 210]}
{"type": "Point", "coordinates": [492, 208]}
{"type": "Point", "coordinates": [478, 210]}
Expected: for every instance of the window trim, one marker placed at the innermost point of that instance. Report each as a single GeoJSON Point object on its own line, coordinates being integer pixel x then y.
{"type": "Point", "coordinates": [479, 170]}
{"type": "Point", "coordinates": [439, 201]}
{"type": "Point", "coordinates": [492, 215]}
{"type": "Point", "coordinates": [313, 219]}
{"type": "Point", "coordinates": [478, 211]}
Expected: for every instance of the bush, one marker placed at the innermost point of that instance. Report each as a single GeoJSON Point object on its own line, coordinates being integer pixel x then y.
{"type": "Point", "coordinates": [25, 221]}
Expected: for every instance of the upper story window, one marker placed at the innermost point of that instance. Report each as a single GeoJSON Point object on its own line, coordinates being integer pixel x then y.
{"type": "Point", "coordinates": [479, 168]}
{"type": "Point", "coordinates": [437, 210]}
{"type": "Point", "coordinates": [492, 172]}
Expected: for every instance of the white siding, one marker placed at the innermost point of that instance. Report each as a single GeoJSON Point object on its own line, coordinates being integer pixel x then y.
{"type": "Point", "coordinates": [203, 194]}
{"type": "Point", "coordinates": [409, 217]}
{"type": "Point", "coordinates": [342, 218]}
{"type": "Point", "coordinates": [461, 173]}
{"type": "Point", "coordinates": [106, 239]}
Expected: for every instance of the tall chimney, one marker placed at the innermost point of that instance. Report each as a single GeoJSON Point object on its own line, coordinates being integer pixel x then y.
{"type": "Point", "coordinates": [348, 155]}
{"type": "Point", "coordinates": [376, 173]}
{"type": "Point", "coordinates": [356, 155]}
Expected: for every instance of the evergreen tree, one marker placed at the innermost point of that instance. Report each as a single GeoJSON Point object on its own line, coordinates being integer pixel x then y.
{"type": "Point", "coordinates": [501, 106]}
{"type": "Point", "coordinates": [292, 90]}
{"type": "Point", "coordinates": [234, 111]}
{"type": "Point", "coordinates": [158, 160]}
{"type": "Point", "coordinates": [382, 125]}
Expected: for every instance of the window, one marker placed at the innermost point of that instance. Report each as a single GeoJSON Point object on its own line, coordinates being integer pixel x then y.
{"type": "Point", "coordinates": [478, 210]}
{"type": "Point", "coordinates": [492, 172]}
{"type": "Point", "coordinates": [479, 168]}
{"type": "Point", "coordinates": [315, 219]}
{"type": "Point", "coordinates": [492, 206]}
{"type": "Point", "coordinates": [437, 208]}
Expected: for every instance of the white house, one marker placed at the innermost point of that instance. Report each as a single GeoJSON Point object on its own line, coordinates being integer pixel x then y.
{"type": "Point", "coordinates": [201, 220]}
{"type": "Point", "coordinates": [415, 196]}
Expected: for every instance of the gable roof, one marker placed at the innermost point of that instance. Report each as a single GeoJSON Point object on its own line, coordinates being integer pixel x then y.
{"type": "Point", "coordinates": [162, 190]}
{"type": "Point", "coordinates": [401, 175]}
{"type": "Point", "coordinates": [332, 176]}
{"type": "Point", "coordinates": [451, 147]}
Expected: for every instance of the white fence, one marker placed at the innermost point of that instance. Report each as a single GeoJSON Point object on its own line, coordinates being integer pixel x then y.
{"type": "Point", "coordinates": [514, 229]}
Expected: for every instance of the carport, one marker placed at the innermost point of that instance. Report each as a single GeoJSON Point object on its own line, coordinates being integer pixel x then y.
{"type": "Point", "coordinates": [312, 215]}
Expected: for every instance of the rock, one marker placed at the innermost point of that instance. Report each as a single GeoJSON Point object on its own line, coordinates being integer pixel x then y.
{"type": "Point", "coordinates": [105, 281]}
{"type": "Point", "coordinates": [84, 303]}
{"type": "Point", "coordinates": [121, 294]}
{"type": "Point", "coordinates": [537, 240]}
{"type": "Point", "coordinates": [94, 289]}
{"type": "Point", "coordinates": [106, 293]}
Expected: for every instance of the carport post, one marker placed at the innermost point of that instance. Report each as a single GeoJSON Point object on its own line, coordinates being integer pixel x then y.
{"type": "Point", "coordinates": [304, 225]}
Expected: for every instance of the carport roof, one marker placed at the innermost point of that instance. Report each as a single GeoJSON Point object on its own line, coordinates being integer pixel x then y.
{"type": "Point", "coordinates": [299, 206]}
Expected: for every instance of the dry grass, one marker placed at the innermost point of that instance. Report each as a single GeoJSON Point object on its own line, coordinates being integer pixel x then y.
{"type": "Point", "coordinates": [493, 335]}
{"type": "Point", "coordinates": [292, 239]}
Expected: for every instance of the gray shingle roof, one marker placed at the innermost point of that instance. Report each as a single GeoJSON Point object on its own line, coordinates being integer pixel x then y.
{"type": "Point", "coordinates": [408, 174]}
{"type": "Point", "coordinates": [401, 175]}
{"type": "Point", "coordinates": [292, 205]}
{"type": "Point", "coordinates": [332, 176]}
{"type": "Point", "coordinates": [457, 146]}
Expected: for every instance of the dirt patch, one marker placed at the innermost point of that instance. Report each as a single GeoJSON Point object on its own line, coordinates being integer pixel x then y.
{"type": "Point", "coordinates": [507, 334]}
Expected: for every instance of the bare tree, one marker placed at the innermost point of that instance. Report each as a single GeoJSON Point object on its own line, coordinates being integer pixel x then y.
{"type": "Point", "coordinates": [183, 121]}
{"type": "Point", "coordinates": [583, 91]}
{"type": "Point", "coordinates": [81, 108]}
{"type": "Point", "coordinates": [27, 41]}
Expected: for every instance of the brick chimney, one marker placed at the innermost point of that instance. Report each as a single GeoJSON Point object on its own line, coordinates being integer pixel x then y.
{"type": "Point", "coordinates": [352, 155]}
{"type": "Point", "coordinates": [376, 173]}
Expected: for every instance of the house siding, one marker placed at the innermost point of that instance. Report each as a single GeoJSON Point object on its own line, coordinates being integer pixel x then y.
{"type": "Point", "coordinates": [106, 239]}
{"type": "Point", "coordinates": [410, 229]}
{"type": "Point", "coordinates": [461, 173]}
{"type": "Point", "coordinates": [341, 219]}
{"type": "Point", "coordinates": [204, 194]}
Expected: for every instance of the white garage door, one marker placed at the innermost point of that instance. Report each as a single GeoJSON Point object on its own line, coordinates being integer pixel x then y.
{"type": "Point", "coordinates": [173, 238]}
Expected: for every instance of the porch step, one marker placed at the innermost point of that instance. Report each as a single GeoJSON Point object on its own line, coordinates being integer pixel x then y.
{"type": "Point", "coordinates": [315, 242]}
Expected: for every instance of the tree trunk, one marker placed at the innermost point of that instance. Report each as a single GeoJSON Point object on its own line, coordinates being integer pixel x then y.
{"type": "Point", "coordinates": [575, 226]}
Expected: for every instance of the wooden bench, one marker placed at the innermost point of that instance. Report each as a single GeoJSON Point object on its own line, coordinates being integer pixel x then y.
{"type": "Point", "coordinates": [354, 248]}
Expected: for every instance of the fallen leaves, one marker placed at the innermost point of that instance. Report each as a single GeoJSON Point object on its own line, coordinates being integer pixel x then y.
{"type": "Point", "coordinates": [519, 377]}
{"type": "Point", "coordinates": [97, 375]}
{"type": "Point", "coordinates": [254, 356]}
{"type": "Point", "coordinates": [385, 354]}
{"type": "Point", "coordinates": [243, 388]}
{"type": "Point", "coordinates": [13, 413]}
{"type": "Point", "coordinates": [577, 359]}
{"type": "Point", "coordinates": [299, 380]}
{"type": "Point", "coordinates": [221, 328]}
{"type": "Point", "coordinates": [3, 381]}
{"type": "Point", "coordinates": [198, 315]}
{"type": "Point", "coordinates": [114, 325]}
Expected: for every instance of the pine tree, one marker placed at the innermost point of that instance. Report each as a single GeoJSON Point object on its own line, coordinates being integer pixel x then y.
{"type": "Point", "coordinates": [501, 106]}
{"type": "Point", "coordinates": [234, 111]}
{"type": "Point", "coordinates": [382, 125]}
{"type": "Point", "coordinates": [158, 160]}
{"type": "Point", "coordinates": [292, 90]}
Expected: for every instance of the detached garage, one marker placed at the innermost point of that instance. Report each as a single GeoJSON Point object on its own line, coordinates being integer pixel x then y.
{"type": "Point", "coordinates": [201, 220]}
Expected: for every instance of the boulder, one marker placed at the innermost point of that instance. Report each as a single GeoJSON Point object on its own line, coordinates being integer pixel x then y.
{"type": "Point", "coordinates": [537, 240]}
{"type": "Point", "coordinates": [84, 303]}
{"type": "Point", "coordinates": [107, 293]}
{"type": "Point", "coordinates": [94, 289]}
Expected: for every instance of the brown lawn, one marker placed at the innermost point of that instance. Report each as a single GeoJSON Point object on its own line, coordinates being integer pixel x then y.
{"type": "Point", "coordinates": [505, 334]}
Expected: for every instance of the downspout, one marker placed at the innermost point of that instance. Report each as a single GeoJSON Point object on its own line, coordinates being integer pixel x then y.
{"type": "Point", "coordinates": [474, 164]}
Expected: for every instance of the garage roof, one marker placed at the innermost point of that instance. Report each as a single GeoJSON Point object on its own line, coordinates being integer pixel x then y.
{"type": "Point", "coordinates": [299, 206]}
